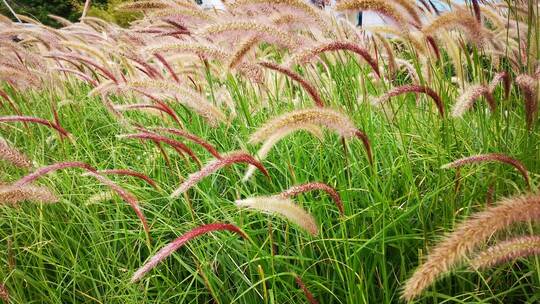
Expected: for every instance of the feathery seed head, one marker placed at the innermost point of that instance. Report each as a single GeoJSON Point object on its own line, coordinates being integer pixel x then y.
{"type": "Point", "coordinates": [459, 18]}
{"type": "Point", "coordinates": [329, 118]}
{"type": "Point", "coordinates": [50, 168]}
{"type": "Point", "coordinates": [268, 33]}
{"type": "Point", "coordinates": [12, 195]}
{"type": "Point", "coordinates": [13, 156]}
{"type": "Point", "coordinates": [216, 164]}
{"type": "Point", "coordinates": [470, 233]}
{"type": "Point", "coordinates": [506, 251]}
{"type": "Point", "coordinates": [127, 196]}
{"type": "Point", "coordinates": [411, 88]}
{"type": "Point", "coordinates": [529, 87]}
{"type": "Point", "coordinates": [307, 55]}
{"type": "Point", "coordinates": [491, 157]}
{"type": "Point", "coordinates": [298, 189]}
{"type": "Point", "coordinates": [168, 249]}
{"type": "Point", "coordinates": [382, 7]}
{"type": "Point", "coordinates": [282, 206]}
{"type": "Point", "coordinates": [469, 96]}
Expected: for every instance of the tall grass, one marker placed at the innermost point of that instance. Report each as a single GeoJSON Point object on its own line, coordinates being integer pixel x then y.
{"type": "Point", "coordinates": [208, 87]}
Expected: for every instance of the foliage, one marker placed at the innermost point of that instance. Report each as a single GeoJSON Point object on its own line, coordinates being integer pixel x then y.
{"type": "Point", "coordinates": [163, 117]}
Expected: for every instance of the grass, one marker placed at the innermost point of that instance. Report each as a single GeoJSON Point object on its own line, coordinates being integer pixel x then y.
{"type": "Point", "coordinates": [395, 211]}
{"type": "Point", "coordinates": [80, 252]}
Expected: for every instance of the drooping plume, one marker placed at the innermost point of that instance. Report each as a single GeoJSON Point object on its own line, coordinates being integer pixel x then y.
{"type": "Point", "coordinates": [46, 169]}
{"type": "Point", "coordinates": [13, 156]}
{"type": "Point", "coordinates": [468, 98]}
{"type": "Point", "coordinates": [185, 96]}
{"type": "Point", "coordinates": [518, 247]}
{"type": "Point", "coordinates": [265, 32]}
{"type": "Point", "coordinates": [382, 7]}
{"type": "Point", "coordinates": [310, 89]}
{"type": "Point", "coordinates": [412, 88]}
{"type": "Point", "coordinates": [38, 120]}
{"type": "Point", "coordinates": [467, 236]}
{"type": "Point", "coordinates": [298, 189]}
{"type": "Point", "coordinates": [166, 251]}
{"type": "Point", "coordinates": [178, 146]}
{"type": "Point", "coordinates": [128, 172]}
{"type": "Point", "coordinates": [459, 18]}
{"type": "Point", "coordinates": [12, 194]}
{"type": "Point", "coordinates": [216, 164]}
{"type": "Point", "coordinates": [126, 196]}
{"type": "Point", "coordinates": [505, 79]}
{"type": "Point", "coordinates": [206, 51]}
{"type": "Point", "coordinates": [334, 120]}
{"type": "Point", "coordinates": [491, 157]}
{"type": "Point", "coordinates": [529, 87]}
{"type": "Point", "coordinates": [307, 55]}
{"type": "Point", "coordinates": [193, 138]}
{"type": "Point", "coordinates": [309, 296]}
{"type": "Point", "coordinates": [4, 293]}
{"type": "Point", "coordinates": [284, 207]}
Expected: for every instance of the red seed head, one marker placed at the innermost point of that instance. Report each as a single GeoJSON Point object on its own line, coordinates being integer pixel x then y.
{"type": "Point", "coordinates": [179, 242]}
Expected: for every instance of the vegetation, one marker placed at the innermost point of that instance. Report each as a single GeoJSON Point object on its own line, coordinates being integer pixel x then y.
{"type": "Point", "coordinates": [272, 153]}
{"type": "Point", "coordinates": [45, 10]}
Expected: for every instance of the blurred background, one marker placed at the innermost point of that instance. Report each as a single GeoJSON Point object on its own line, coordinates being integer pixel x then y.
{"type": "Point", "coordinates": [105, 9]}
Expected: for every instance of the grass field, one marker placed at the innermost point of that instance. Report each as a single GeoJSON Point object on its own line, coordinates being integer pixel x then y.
{"type": "Point", "coordinates": [86, 247]}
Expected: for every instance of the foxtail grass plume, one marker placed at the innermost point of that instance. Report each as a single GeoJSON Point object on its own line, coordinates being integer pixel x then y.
{"type": "Point", "coordinates": [307, 55]}
{"type": "Point", "coordinates": [265, 32]}
{"type": "Point", "coordinates": [185, 96]}
{"type": "Point", "coordinates": [477, 12]}
{"type": "Point", "coordinates": [132, 173]}
{"type": "Point", "coordinates": [383, 7]}
{"type": "Point", "coordinates": [125, 195]}
{"type": "Point", "coordinates": [491, 157]}
{"type": "Point", "coordinates": [459, 18]}
{"type": "Point", "coordinates": [298, 189]}
{"type": "Point", "coordinates": [310, 89]}
{"type": "Point", "coordinates": [334, 120]}
{"type": "Point", "coordinates": [469, 96]}
{"type": "Point", "coordinates": [206, 51]}
{"type": "Point", "coordinates": [145, 6]}
{"type": "Point", "coordinates": [309, 296]}
{"type": "Point", "coordinates": [13, 194]}
{"type": "Point", "coordinates": [412, 88]}
{"type": "Point", "coordinates": [156, 138]}
{"type": "Point", "coordinates": [168, 249]}
{"type": "Point", "coordinates": [10, 101]}
{"type": "Point", "coordinates": [79, 75]}
{"type": "Point", "coordinates": [216, 164]}
{"type": "Point", "coordinates": [283, 207]}
{"type": "Point", "coordinates": [38, 120]}
{"type": "Point", "coordinates": [149, 108]}
{"type": "Point", "coordinates": [193, 138]}
{"type": "Point", "coordinates": [411, 7]}
{"type": "Point", "coordinates": [71, 57]}
{"type": "Point", "coordinates": [529, 87]}
{"type": "Point", "coordinates": [167, 66]}
{"type": "Point", "coordinates": [13, 156]}
{"type": "Point", "coordinates": [467, 236]}
{"type": "Point", "coordinates": [4, 293]}
{"type": "Point", "coordinates": [519, 247]}
{"type": "Point", "coordinates": [50, 168]}
{"type": "Point", "coordinates": [271, 141]}
{"type": "Point", "coordinates": [505, 79]}
{"type": "Point", "coordinates": [293, 7]}
{"type": "Point", "coordinates": [242, 50]}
